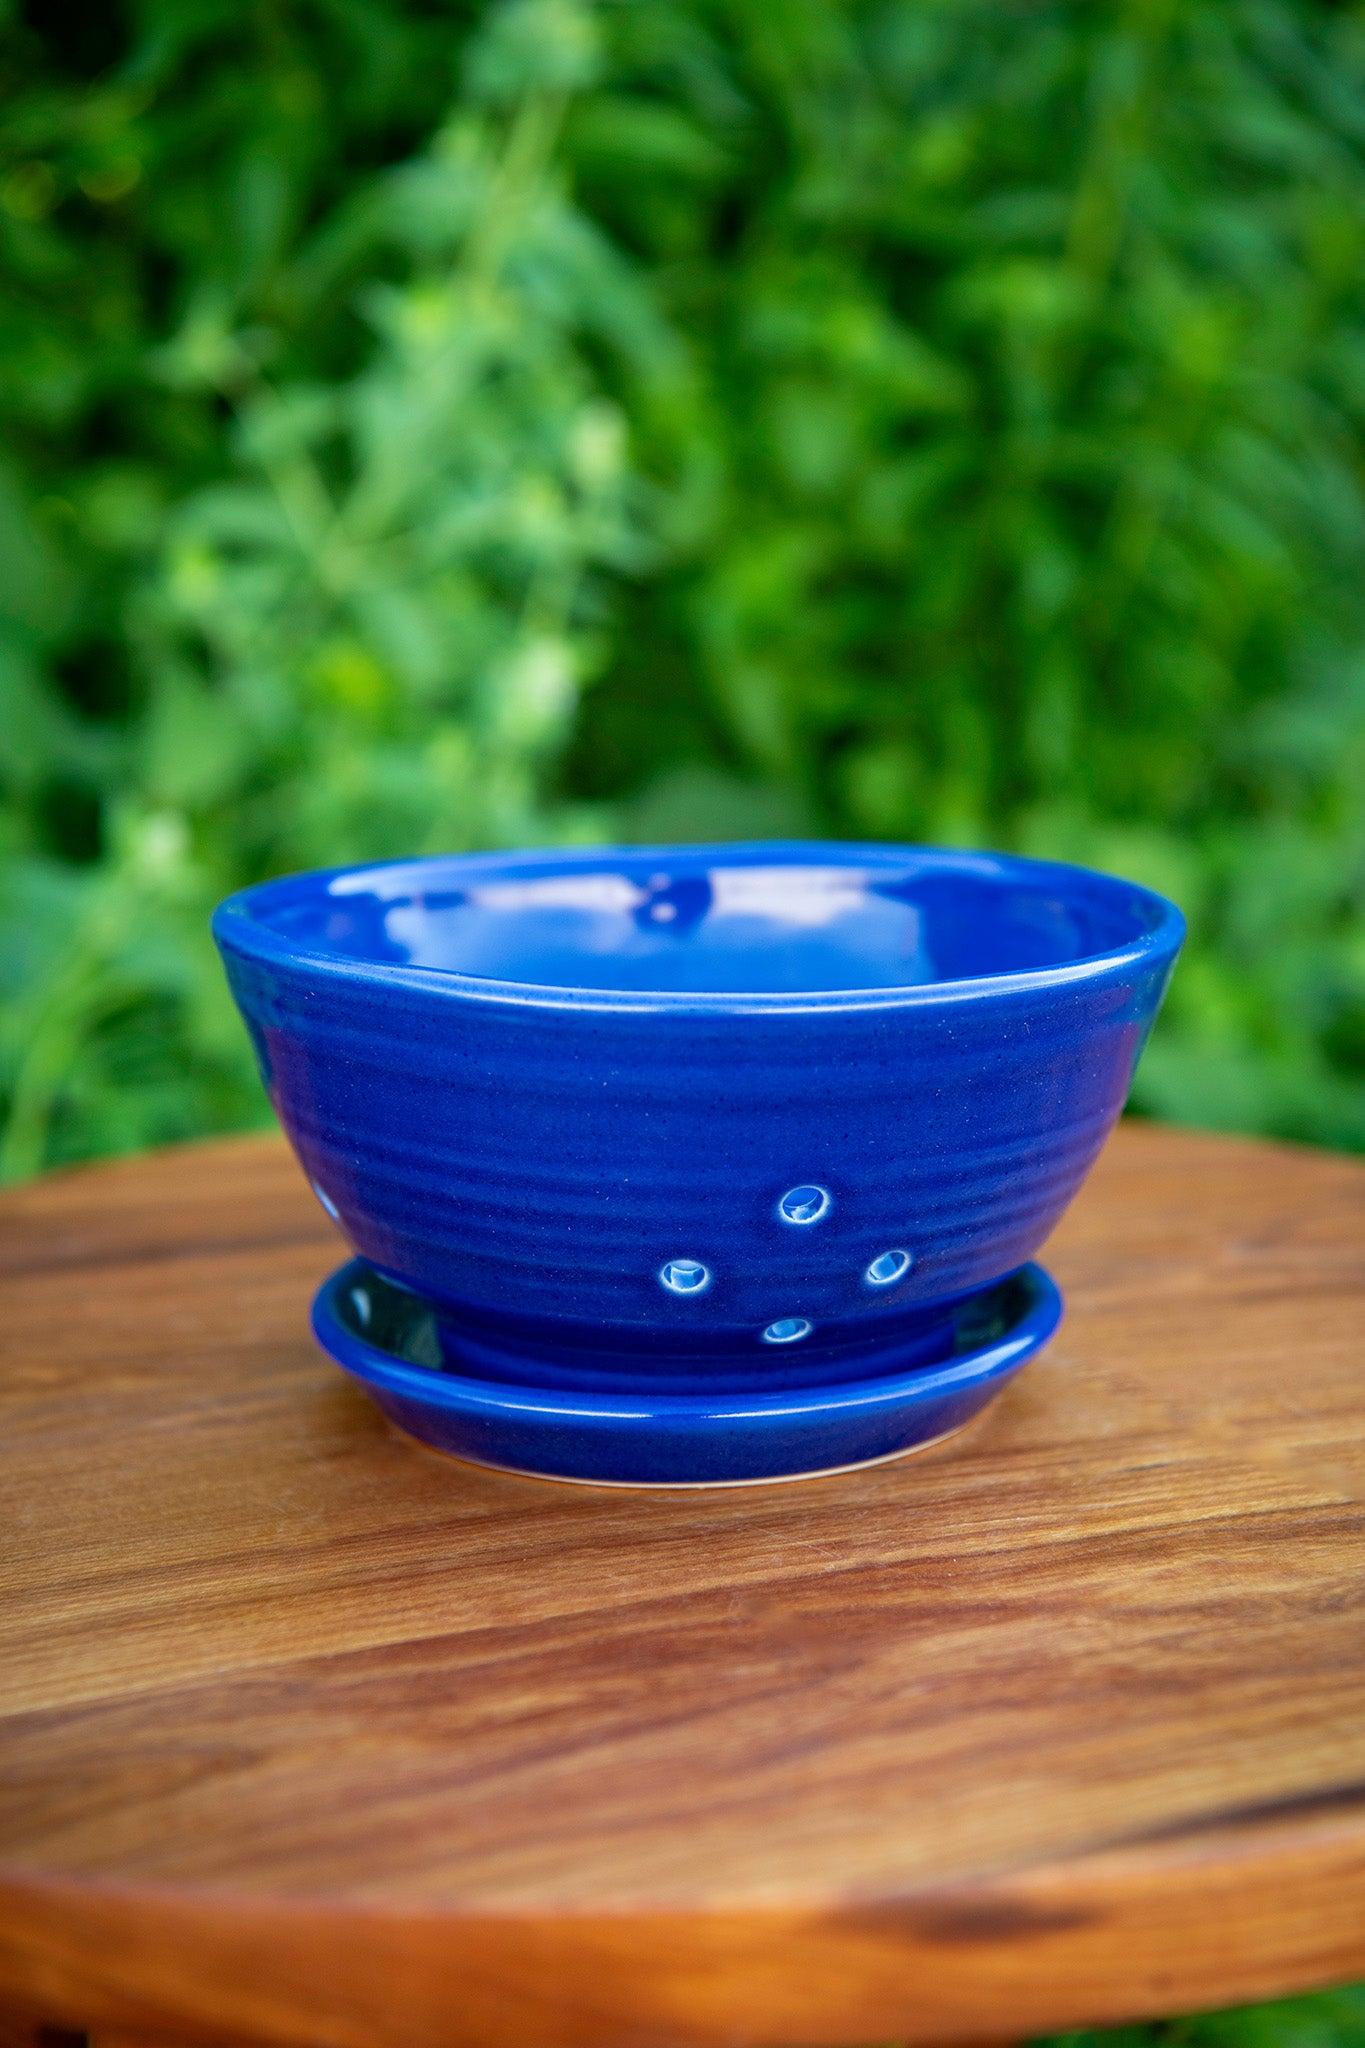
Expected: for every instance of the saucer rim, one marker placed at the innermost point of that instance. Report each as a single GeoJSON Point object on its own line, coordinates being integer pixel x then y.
{"type": "Point", "coordinates": [461, 1393]}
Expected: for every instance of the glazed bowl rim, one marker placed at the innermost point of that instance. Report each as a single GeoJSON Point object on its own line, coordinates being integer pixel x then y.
{"type": "Point", "coordinates": [238, 928]}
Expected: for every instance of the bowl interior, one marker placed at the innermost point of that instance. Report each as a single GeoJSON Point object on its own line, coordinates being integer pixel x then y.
{"type": "Point", "coordinates": [721, 920]}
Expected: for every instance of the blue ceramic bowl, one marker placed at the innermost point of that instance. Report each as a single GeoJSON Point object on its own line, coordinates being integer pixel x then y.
{"type": "Point", "coordinates": [689, 1111]}
{"type": "Point", "coordinates": [417, 1370]}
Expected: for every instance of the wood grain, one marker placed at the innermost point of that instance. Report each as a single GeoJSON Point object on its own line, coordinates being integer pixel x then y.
{"type": "Point", "coordinates": [309, 1735]}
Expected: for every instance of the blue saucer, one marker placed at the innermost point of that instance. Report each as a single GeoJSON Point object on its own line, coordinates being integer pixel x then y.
{"type": "Point", "coordinates": [402, 1353]}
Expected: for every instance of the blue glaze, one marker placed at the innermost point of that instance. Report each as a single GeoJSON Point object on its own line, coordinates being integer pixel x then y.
{"type": "Point", "coordinates": [787, 1330]}
{"type": "Point", "coordinates": [888, 1269]}
{"type": "Point", "coordinates": [483, 1348]}
{"type": "Point", "coordinates": [416, 1369]}
{"type": "Point", "coordinates": [804, 1205]}
{"type": "Point", "coordinates": [684, 1276]}
{"type": "Point", "coordinates": [530, 1083]}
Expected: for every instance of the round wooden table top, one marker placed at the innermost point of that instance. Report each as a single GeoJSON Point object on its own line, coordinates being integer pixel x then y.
{"type": "Point", "coordinates": [311, 1735]}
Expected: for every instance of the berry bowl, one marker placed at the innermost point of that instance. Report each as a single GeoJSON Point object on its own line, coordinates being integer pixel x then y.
{"type": "Point", "coordinates": [698, 1119]}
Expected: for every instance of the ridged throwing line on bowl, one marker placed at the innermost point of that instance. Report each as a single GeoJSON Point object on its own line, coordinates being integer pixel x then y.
{"type": "Point", "coordinates": [684, 1276]}
{"type": "Point", "coordinates": [806, 1204]}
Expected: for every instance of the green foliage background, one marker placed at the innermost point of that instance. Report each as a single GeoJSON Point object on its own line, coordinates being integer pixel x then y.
{"type": "Point", "coordinates": [437, 425]}
{"type": "Point", "coordinates": [1328, 2019]}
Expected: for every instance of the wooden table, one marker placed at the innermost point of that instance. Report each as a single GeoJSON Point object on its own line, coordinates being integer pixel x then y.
{"type": "Point", "coordinates": [312, 1736]}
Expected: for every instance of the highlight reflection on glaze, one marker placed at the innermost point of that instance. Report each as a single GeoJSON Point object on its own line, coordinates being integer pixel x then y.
{"type": "Point", "coordinates": [787, 1330]}
{"type": "Point", "coordinates": [804, 1204]}
{"type": "Point", "coordinates": [684, 1276]}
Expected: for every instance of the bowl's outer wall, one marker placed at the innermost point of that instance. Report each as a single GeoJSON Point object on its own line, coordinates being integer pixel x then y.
{"type": "Point", "coordinates": [520, 1160]}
